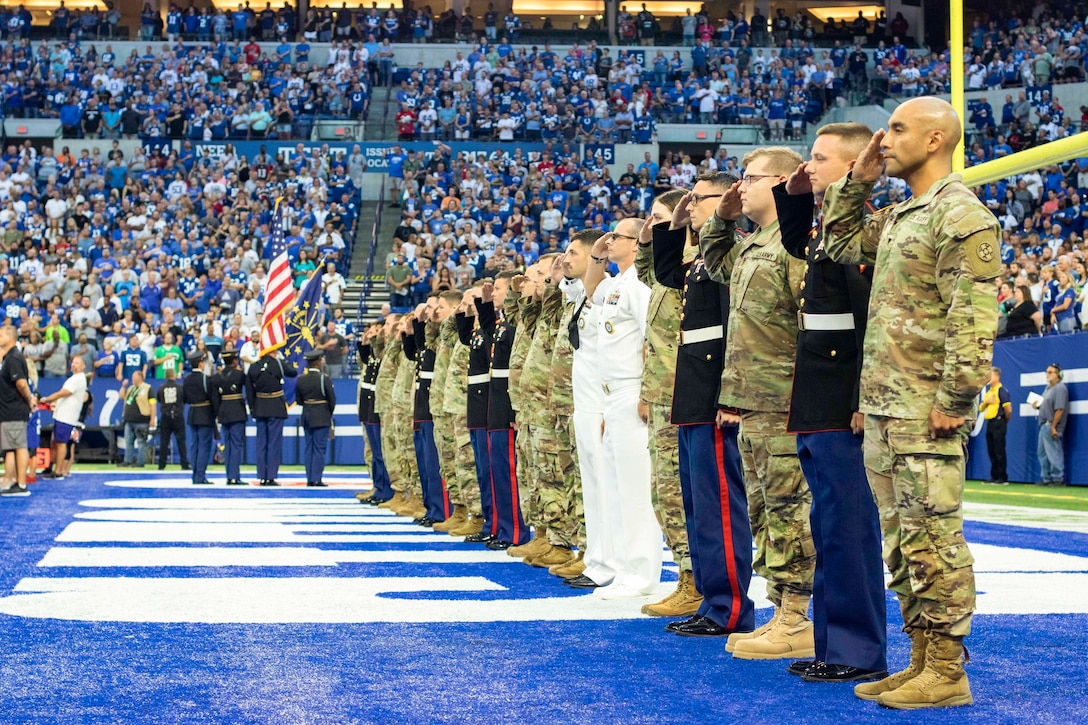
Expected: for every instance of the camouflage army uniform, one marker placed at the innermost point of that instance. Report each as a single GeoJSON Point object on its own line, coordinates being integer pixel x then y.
{"type": "Point", "coordinates": [658, 378]}
{"type": "Point", "coordinates": [443, 422]}
{"type": "Point", "coordinates": [384, 405]}
{"type": "Point", "coordinates": [465, 489]}
{"type": "Point", "coordinates": [403, 405]}
{"type": "Point", "coordinates": [928, 346]}
{"type": "Point", "coordinates": [523, 313]}
{"type": "Point", "coordinates": [761, 345]}
{"type": "Point", "coordinates": [536, 410]}
{"type": "Point", "coordinates": [563, 505]}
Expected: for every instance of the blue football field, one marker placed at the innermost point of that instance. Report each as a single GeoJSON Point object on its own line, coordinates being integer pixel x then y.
{"type": "Point", "coordinates": [133, 598]}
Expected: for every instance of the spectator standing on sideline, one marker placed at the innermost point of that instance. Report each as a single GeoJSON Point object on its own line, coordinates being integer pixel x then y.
{"type": "Point", "coordinates": [16, 402]}
{"type": "Point", "coordinates": [67, 405]}
{"type": "Point", "coordinates": [1052, 418]}
{"type": "Point", "coordinates": [138, 418]}
{"type": "Point", "coordinates": [996, 409]}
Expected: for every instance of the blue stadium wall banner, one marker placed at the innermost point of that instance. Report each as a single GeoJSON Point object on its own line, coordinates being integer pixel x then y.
{"type": "Point", "coordinates": [375, 153]}
{"type": "Point", "coordinates": [1023, 364]}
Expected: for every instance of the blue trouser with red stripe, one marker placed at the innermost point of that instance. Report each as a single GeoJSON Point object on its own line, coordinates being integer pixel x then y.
{"type": "Point", "coordinates": [720, 538]}
{"type": "Point", "coordinates": [848, 605]}
{"type": "Point", "coordinates": [379, 475]}
{"type": "Point", "coordinates": [434, 492]}
{"type": "Point", "coordinates": [507, 525]}
{"type": "Point", "coordinates": [483, 474]}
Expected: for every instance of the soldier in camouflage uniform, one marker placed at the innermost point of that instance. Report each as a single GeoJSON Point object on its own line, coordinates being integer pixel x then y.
{"type": "Point", "coordinates": [761, 344]}
{"type": "Point", "coordinates": [383, 406]}
{"type": "Point", "coordinates": [551, 460]}
{"type": "Point", "coordinates": [523, 309]}
{"type": "Point", "coordinates": [655, 405]}
{"type": "Point", "coordinates": [403, 404]}
{"type": "Point", "coordinates": [443, 421]}
{"type": "Point", "coordinates": [928, 349]}
{"type": "Point", "coordinates": [464, 462]}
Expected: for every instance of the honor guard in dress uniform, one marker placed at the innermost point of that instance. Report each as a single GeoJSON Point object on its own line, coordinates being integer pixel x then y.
{"type": "Point", "coordinates": [479, 386]}
{"type": "Point", "coordinates": [370, 347]}
{"type": "Point", "coordinates": [760, 348]}
{"type": "Point", "coordinates": [715, 502]}
{"type": "Point", "coordinates": [171, 399]}
{"type": "Point", "coordinates": [848, 612]}
{"type": "Point", "coordinates": [229, 393]}
{"type": "Point", "coordinates": [625, 491]}
{"type": "Point", "coordinates": [314, 392]}
{"type": "Point", "coordinates": [507, 525]}
{"type": "Point", "coordinates": [422, 349]}
{"type": "Point", "coordinates": [655, 401]}
{"type": "Point", "coordinates": [199, 396]}
{"type": "Point", "coordinates": [937, 257]}
{"type": "Point", "coordinates": [264, 388]}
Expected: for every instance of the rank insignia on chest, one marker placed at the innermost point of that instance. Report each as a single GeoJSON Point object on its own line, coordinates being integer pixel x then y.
{"type": "Point", "coordinates": [613, 299]}
{"type": "Point", "coordinates": [581, 323]}
{"type": "Point", "coordinates": [609, 328]}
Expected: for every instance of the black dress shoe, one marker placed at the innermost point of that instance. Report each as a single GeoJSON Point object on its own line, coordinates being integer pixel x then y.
{"type": "Point", "coordinates": [202, 483]}
{"type": "Point", "coordinates": [824, 672]}
{"type": "Point", "coordinates": [674, 626]}
{"type": "Point", "coordinates": [496, 545]}
{"type": "Point", "coordinates": [480, 538]}
{"type": "Point", "coordinates": [703, 628]}
{"type": "Point", "coordinates": [237, 482]}
{"type": "Point", "coordinates": [317, 484]}
{"type": "Point", "coordinates": [426, 522]}
{"type": "Point", "coordinates": [268, 482]}
{"type": "Point", "coordinates": [581, 582]}
{"type": "Point", "coordinates": [800, 667]}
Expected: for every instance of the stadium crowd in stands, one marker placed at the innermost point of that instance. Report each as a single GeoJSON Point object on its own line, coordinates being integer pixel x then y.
{"type": "Point", "coordinates": [104, 255]}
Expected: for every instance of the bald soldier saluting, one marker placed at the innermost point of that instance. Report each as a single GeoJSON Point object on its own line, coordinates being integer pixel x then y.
{"type": "Point", "coordinates": [927, 353]}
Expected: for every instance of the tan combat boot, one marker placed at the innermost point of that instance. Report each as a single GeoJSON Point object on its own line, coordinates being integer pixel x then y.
{"type": "Point", "coordinates": [942, 683]}
{"type": "Point", "coordinates": [473, 525]}
{"type": "Point", "coordinates": [684, 602]}
{"type": "Point", "coordinates": [551, 556]}
{"type": "Point", "coordinates": [873, 690]}
{"type": "Point", "coordinates": [570, 569]}
{"type": "Point", "coordinates": [535, 545]}
{"type": "Point", "coordinates": [394, 503]}
{"type": "Point", "coordinates": [791, 636]}
{"type": "Point", "coordinates": [456, 519]}
{"type": "Point", "coordinates": [731, 643]}
{"type": "Point", "coordinates": [364, 495]}
{"type": "Point", "coordinates": [417, 508]}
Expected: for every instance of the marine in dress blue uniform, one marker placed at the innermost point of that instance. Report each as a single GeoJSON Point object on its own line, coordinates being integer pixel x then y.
{"type": "Point", "coordinates": [711, 478]}
{"type": "Point", "coordinates": [848, 601]}
{"type": "Point", "coordinates": [479, 388]}
{"type": "Point", "coordinates": [507, 524]}
{"type": "Point", "coordinates": [422, 355]}
{"type": "Point", "coordinates": [197, 390]}
{"type": "Point", "coordinates": [371, 420]}
{"type": "Point", "coordinates": [314, 392]}
{"type": "Point", "coordinates": [229, 387]}
{"type": "Point", "coordinates": [264, 390]}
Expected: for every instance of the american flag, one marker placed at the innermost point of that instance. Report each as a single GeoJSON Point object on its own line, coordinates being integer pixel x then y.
{"type": "Point", "coordinates": [279, 293]}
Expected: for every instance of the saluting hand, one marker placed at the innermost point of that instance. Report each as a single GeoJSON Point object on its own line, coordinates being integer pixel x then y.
{"type": "Point", "coordinates": [729, 206]}
{"type": "Point", "coordinates": [517, 282]}
{"type": "Point", "coordinates": [870, 164]}
{"type": "Point", "coordinates": [799, 182]}
{"type": "Point", "coordinates": [646, 234]}
{"type": "Point", "coordinates": [681, 215]}
{"type": "Point", "coordinates": [487, 290]}
{"type": "Point", "coordinates": [600, 247]}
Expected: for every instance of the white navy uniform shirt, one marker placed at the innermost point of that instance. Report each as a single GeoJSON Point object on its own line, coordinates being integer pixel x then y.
{"type": "Point", "coordinates": [585, 371]}
{"type": "Point", "coordinates": [622, 304]}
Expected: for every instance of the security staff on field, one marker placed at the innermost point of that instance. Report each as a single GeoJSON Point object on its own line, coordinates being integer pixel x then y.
{"type": "Point", "coordinates": [848, 612]}
{"type": "Point", "coordinates": [715, 502]}
{"type": "Point", "coordinates": [264, 389]}
{"type": "Point", "coordinates": [198, 395]}
{"type": "Point", "coordinates": [315, 393]}
{"type": "Point", "coordinates": [229, 394]}
{"type": "Point", "coordinates": [172, 420]}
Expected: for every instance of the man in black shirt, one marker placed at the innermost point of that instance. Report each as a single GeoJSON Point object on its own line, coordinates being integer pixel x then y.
{"type": "Point", "coordinates": [16, 402]}
{"type": "Point", "coordinates": [92, 119]}
{"type": "Point", "coordinates": [334, 347]}
{"type": "Point", "coordinates": [131, 121]}
{"type": "Point", "coordinates": [171, 419]}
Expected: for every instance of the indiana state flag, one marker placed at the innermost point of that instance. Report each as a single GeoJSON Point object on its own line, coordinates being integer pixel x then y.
{"type": "Point", "coordinates": [302, 321]}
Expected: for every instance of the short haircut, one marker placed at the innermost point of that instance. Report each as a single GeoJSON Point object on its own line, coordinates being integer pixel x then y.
{"type": "Point", "coordinates": [717, 179]}
{"type": "Point", "coordinates": [996, 370]}
{"type": "Point", "coordinates": [452, 296]}
{"type": "Point", "coordinates": [781, 160]}
{"type": "Point", "coordinates": [672, 197]}
{"type": "Point", "coordinates": [853, 135]}
{"type": "Point", "coordinates": [507, 275]}
{"type": "Point", "coordinates": [585, 238]}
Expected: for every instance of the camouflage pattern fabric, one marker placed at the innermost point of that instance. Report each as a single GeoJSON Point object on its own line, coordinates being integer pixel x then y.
{"type": "Point", "coordinates": [778, 505]}
{"type": "Point", "coordinates": [535, 382]}
{"type": "Point", "coordinates": [527, 315]}
{"type": "Point", "coordinates": [572, 479]}
{"type": "Point", "coordinates": [764, 291]}
{"type": "Point", "coordinates": [392, 358]}
{"type": "Point", "coordinates": [527, 477]}
{"type": "Point", "coordinates": [917, 482]}
{"type": "Point", "coordinates": [665, 483]}
{"type": "Point", "coordinates": [465, 464]}
{"type": "Point", "coordinates": [402, 409]}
